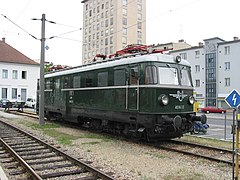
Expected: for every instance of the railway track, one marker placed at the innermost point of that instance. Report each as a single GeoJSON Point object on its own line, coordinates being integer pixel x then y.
{"type": "Point", "coordinates": [192, 149]}
{"type": "Point", "coordinates": [216, 154]}
{"type": "Point", "coordinates": [27, 157]}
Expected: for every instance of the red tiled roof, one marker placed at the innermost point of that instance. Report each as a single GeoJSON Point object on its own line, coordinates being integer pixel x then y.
{"type": "Point", "coordinates": [10, 55]}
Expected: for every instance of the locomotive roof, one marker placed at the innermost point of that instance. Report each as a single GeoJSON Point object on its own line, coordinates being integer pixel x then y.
{"type": "Point", "coordinates": [158, 57]}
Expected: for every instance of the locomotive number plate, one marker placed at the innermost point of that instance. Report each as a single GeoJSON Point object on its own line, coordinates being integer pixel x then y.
{"type": "Point", "coordinates": [179, 107]}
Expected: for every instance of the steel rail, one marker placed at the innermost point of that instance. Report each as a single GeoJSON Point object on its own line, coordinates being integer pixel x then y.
{"type": "Point", "coordinates": [20, 160]}
{"type": "Point", "coordinates": [94, 171]}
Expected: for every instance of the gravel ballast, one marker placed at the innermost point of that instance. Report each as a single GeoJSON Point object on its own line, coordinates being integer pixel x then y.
{"type": "Point", "coordinates": [126, 160]}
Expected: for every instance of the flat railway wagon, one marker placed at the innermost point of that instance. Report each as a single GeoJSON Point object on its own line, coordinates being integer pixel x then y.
{"type": "Point", "coordinates": [146, 96]}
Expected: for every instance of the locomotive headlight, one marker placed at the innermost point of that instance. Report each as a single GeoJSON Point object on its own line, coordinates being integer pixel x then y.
{"type": "Point", "coordinates": [191, 99]}
{"type": "Point", "coordinates": [163, 99]}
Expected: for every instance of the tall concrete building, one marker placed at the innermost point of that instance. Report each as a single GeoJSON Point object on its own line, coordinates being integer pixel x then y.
{"type": "Point", "coordinates": [111, 25]}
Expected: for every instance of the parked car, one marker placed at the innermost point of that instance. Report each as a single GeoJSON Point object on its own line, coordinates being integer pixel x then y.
{"type": "Point", "coordinates": [213, 110]}
{"type": "Point", "coordinates": [3, 102]}
{"type": "Point", "coordinates": [31, 102]}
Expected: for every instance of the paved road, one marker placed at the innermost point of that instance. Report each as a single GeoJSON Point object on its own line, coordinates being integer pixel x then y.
{"type": "Point", "coordinates": [217, 126]}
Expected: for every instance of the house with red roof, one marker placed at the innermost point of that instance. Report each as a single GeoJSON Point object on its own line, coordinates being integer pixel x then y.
{"type": "Point", "coordinates": [18, 74]}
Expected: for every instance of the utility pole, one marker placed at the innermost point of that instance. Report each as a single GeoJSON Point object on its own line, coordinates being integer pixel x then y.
{"type": "Point", "coordinates": [42, 84]}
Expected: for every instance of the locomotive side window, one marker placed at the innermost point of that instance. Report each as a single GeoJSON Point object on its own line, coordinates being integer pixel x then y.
{"type": "Point", "coordinates": [57, 83]}
{"type": "Point", "coordinates": [66, 82]}
{"type": "Point", "coordinates": [133, 75]}
{"type": "Point", "coordinates": [102, 79]}
{"type": "Point", "coordinates": [48, 84]}
{"type": "Point", "coordinates": [89, 81]}
{"type": "Point", "coordinates": [77, 81]}
{"type": "Point", "coordinates": [119, 77]}
{"type": "Point", "coordinates": [168, 75]}
{"type": "Point", "coordinates": [151, 75]}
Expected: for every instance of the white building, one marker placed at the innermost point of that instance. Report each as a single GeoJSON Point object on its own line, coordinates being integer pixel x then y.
{"type": "Point", "coordinates": [19, 74]}
{"type": "Point", "coordinates": [214, 69]}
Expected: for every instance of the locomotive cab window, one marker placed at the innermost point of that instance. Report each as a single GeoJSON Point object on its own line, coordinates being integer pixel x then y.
{"type": "Point", "coordinates": [134, 75]}
{"type": "Point", "coordinates": [168, 75]}
{"type": "Point", "coordinates": [185, 76]}
{"type": "Point", "coordinates": [151, 75]}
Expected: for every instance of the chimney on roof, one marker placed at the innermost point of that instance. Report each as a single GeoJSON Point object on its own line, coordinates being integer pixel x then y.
{"type": "Point", "coordinates": [235, 38]}
{"type": "Point", "coordinates": [200, 44]}
{"type": "Point", "coordinates": [181, 40]}
{"type": "Point", "coordinates": [3, 40]}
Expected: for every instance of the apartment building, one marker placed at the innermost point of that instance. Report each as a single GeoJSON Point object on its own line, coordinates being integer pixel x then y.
{"type": "Point", "coordinates": [19, 74]}
{"type": "Point", "coordinates": [214, 65]}
{"type": "Point", "coordinates": [110, 25]}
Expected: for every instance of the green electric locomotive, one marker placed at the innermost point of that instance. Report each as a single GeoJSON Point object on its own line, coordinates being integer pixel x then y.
{"type": "Point", "coordinates": [148, 96]}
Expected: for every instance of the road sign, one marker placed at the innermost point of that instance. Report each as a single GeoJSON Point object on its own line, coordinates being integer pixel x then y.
{"type": "Point", "coordinates": [233, 99]}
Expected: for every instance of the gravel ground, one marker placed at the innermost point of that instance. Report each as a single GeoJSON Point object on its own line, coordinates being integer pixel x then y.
{"type": "Point", "coordinates": [126, 160]}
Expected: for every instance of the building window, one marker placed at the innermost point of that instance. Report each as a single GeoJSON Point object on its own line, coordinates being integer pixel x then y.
{"type": "Point", "coordinates": [227, 50]}
{"type": "Point", "coordinates": [197, 68]}
{"type": "Point", "coordinates": [124, 40]}
{"type": "Point", "coordinates": [197, 54]}
{"type": "Point", "coordinates": [106, 50]}
{"type": "Point", "coordinates": [14, 74]}
{"type": "Point", "coordinates": [24, 74]}
{"type": "Point", "coordinates": [4, 93]}
{"type": "Point", "coordinates": [76, 81]}
{"type": "Point", "coordinates": [111, 31]}
{"type": "Point", "coordinates": [124, 21]}
{"type": "Point", "coordinates": [106, 41]}
{"type": "Point", "coordinates": [14, 93]}
{"type": "Point", "coordinates": [106, 23]}
{"type": "Point", "coordinates": [227, 81]}
{"type": "Point", "coordinates": [124, 11]}
{"type": "Point", "coordinates": [227, 65]}
{"type": "Point", "coordinates": [111, 49]}
{"type": "Point", "coordinates": [139, 16]}
{"type": "Point", "coordinates": [111, 21]}
{"type": "Point", "coordinates": [111, 40]}
{"type": "Point", "coordinates": [4, 73]}
{"type": "Point", "coordinates": [124, 2]}
{"type": "Point", "coordinates": [139, 34]}
{"type": "Point", "coordinates": [139, 6]}
{"type": "Point", "coordinates": [124, 31]}
{"type": "Point", "coordinates": [197, 82]}
{"type": "Point", "coordinates": [183, 55]}
{"type": "Point", "coordinates": [139, 25]}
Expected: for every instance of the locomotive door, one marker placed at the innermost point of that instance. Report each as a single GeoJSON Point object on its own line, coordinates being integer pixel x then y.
{"type": "Point", "coordinates": [133, 89]}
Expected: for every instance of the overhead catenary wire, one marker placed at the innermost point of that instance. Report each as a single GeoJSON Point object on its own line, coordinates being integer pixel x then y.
{"type": "Point", "coordinates": [52, 22]}
{"type": "Point", "coordinates": [19, 27]}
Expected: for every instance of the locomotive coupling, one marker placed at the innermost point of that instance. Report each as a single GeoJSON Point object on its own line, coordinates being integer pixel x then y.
{"type": "Point", "coordinates": [202, 118]}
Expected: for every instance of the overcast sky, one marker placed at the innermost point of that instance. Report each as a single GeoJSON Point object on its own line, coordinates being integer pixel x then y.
{"type": "Point", "coordinates": [167, 21]}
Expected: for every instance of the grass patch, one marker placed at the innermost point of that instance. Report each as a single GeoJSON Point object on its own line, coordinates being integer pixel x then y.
{"type": "Point", "coordinates": [62, 138]}
{"type": "Point", "coordinates": [43, 127]}
{"type": "Point", "coordinates": [91, 143]}
{"type": "Point", "coordinates": [207, 141]}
